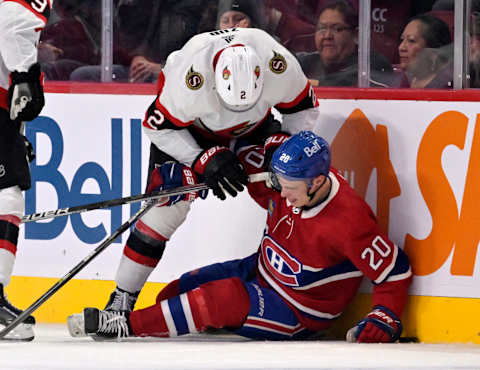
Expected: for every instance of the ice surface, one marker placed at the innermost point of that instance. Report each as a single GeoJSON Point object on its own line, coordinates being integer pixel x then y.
{"type": "Point", "coordinates": [54, 349]}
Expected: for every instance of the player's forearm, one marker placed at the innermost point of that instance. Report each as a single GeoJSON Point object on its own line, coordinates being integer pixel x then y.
{"type": "Point", "coordinates": [392, 295]}
{"type": "Point", "coordinates": [178, 144]}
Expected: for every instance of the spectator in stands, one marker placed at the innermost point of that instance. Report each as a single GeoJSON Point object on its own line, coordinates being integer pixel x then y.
{"type": "Point", "coordinates": [335, 62]}
{"type": "Point", "coordinates": [474, 51]}
{"type": "Point", "coordinates": [239, 13]}
{"type": "Point", "coordinates": [292, 23]}
{"type": "Point", "coordinates": [68, 43]}
{"type": "Point", "coordinates": [443, 5]}
{"type": "Point", "coordinates": [426, 53]}
{"type": "Point", "coordinates": [176, 21]}
{"type": "Point", "coordinates": [387, 21]}
{"type": "Point", "coordinates": [146, 33]}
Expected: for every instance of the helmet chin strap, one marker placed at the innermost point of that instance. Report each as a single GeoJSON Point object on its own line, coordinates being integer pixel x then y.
{"type": "Point", "coordinates": [312, 195]}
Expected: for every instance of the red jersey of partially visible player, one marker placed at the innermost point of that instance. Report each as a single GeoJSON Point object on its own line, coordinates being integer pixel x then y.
{"type": "Point", "coordinates": [316, 258]}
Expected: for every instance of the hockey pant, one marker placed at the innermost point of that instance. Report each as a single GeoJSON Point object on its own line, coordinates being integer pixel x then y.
{"type": "Point", "coordinates": [14, 151]}
{"type": "Point", "coordinates": [223, 295]}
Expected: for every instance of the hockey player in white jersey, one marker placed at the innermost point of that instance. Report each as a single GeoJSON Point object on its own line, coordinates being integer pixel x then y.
{"type": "Point", "coordinates": [21, 99]}
{"type": "Point", "coordinates": [214, 94]}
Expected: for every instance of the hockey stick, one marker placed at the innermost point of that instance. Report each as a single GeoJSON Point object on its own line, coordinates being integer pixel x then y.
{"type": "Point", "coordinates": [126, 200]}
{"type": "Point", "coordinates": [125, 226]}
{"type": "Point", "coordinates": [76, 269]}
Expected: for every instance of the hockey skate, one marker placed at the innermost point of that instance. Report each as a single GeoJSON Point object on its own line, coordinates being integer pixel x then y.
{"type": "Point", "coordinates": [8, 313]}
{"type": "Point", "coordinates": [98, 324]}
{"type": "Point", "coordinates": [119, 303]}
{"type": "Point", "coordinates": [121, 300]}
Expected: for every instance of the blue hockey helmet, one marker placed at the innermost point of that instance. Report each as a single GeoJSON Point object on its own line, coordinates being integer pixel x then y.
{"type": "Point", "coordinates": [302, 157]}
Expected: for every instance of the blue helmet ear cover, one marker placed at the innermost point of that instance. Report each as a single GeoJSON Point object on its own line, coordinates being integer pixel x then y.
{"type": "Point", "coordinates": [304, 156]}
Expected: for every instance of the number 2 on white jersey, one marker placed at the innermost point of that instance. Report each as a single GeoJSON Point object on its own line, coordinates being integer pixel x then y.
{"type": "Point", "coordinates": [379, 246]}
{"type": "Point", "coordinates": [39, 5]}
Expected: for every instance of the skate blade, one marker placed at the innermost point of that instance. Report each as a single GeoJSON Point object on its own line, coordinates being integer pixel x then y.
{"type": "Point", "coordinates": [76, 325]}
{"type": "Point", "coordinates": [99, 338]}
{"type": "Point", "coordinates": [23, 332]}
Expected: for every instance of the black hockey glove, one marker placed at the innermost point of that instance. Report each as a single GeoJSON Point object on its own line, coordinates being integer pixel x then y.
{"type": "Point", "coordinates": [222, 171]}
{"type": "Point", "coordinates": [25, 94]}
{"type": "Point", "coordinates": [270, 145]}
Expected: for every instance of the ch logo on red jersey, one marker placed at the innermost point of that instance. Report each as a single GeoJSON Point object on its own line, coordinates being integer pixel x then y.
{"type": "Point", "coordinates": [279, 263]}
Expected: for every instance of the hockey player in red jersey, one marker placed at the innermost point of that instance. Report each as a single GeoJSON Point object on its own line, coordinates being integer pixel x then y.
{"type": "Point", "coordinates": [21, 99]}
{"type": "Point", "coordinates": [215, 93]}
{"type": "Point", "coordinates": [320, 240]}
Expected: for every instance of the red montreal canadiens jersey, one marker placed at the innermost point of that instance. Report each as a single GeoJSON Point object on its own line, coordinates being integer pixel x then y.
{"type": "Point", "coordinates": [187, 96]}
{"type": "Point", "coordinates": [316, 258]}
{"type": "Point", "coordinates": [21, 22]}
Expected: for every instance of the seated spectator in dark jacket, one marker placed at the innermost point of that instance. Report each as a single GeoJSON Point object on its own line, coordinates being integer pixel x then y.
{"type": "Point", "coordinates": [147, 31]}
{"type": "Point", "coordinates": [69, 42]}
{"type": "Point", "coordinates": [335, 63]}
{"type": "Point", "coordinates": [426, 53]}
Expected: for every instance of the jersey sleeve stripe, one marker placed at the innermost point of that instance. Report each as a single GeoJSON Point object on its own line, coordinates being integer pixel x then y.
{"type": "Point", "coordinates": [41, 16]}
{"type": "Point", "coordinates": [297, 100]}
{"type": "Point", "coordinates": [399, 277]}
{"type": "Point", "coordinates": [348, 275]}
{"type": "Point", "coordinates": [389, 268]}
{"type": "Point", "coordinates": [402, 269]}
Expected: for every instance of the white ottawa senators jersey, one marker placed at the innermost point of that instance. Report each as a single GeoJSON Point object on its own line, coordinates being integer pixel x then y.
{"type": "Point", "coordinates": [316, 258]}
{"type": "Point", "coordinates": [187, 96]}
{"type": "Point", "coordinates": [21, 22]}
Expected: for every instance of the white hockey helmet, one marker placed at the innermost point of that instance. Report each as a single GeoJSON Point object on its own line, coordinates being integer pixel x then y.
{"type": "Point", "coordinates": [239, 77]}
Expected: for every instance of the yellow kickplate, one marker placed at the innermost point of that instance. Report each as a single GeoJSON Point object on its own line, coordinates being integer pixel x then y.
{"type": "Point", "coordinates": [431, 319]}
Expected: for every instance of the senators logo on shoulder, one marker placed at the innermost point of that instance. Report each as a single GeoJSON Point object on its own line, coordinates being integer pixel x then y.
{"type": "Point", "coordinates": [278, 64]}
{"type": "Point", "coordinates": [194, 80]}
